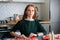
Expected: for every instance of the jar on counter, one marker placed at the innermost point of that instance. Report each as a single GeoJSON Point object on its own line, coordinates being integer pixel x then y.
{"type": "Point", "coordinates": [16, 17]}
{"type": "Point", "coordinates": [1, 21]}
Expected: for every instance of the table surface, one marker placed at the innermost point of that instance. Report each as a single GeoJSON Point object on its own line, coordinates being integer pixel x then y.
{"type": "Point", "coordinates": [56, 37]}
{"type": "Point", "coordinates": [13, 39]}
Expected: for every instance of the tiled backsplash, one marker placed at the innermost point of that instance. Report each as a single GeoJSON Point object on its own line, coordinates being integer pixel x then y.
{"type": "Point", "coordinates": [8, 9]}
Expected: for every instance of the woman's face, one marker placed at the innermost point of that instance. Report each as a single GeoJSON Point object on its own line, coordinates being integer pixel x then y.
{"type": "Point", "coordinates": [30, 11]}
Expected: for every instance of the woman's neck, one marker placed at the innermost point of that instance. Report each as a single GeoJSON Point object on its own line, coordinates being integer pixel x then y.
{"type": "Point", "coordinates": [29, 18]}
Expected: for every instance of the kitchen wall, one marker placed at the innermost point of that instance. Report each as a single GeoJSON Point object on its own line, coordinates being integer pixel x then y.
{"type": "Point", "coordinates": [59, 9]}
{"type": "Point", "coordinates": [45, 10]}
{"type": "Point", "coordinates": [8, 9]}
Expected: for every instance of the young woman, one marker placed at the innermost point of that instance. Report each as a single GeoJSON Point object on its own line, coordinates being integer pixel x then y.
{"type": "Point", "coordinates": [28, 26]}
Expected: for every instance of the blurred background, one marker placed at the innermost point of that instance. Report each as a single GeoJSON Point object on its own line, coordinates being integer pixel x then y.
{"type": "Point", "coordinates": [11, 11]}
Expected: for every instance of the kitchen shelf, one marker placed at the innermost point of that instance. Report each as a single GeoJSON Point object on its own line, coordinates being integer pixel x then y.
{"type": "Point", "coordinates": [23, 1]}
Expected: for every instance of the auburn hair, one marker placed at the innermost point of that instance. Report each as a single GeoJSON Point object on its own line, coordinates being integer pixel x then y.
{"type": "Point", "coordinates": [25, 14]}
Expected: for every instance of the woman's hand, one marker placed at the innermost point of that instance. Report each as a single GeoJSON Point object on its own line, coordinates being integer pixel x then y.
{"type": "Point", "coordinates": [22, 36]}
{"type": "Point", "coordinates": [32, 34]}
{"type": "Point", "coordinates": [40, 34]}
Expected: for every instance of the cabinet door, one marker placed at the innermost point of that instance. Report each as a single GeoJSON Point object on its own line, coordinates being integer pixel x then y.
{"type": "Point", "coordinates": [37, 1]}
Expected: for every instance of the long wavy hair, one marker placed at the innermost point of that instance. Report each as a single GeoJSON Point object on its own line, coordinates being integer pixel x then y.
{"type": "Point", "coordinates": [25, 14]}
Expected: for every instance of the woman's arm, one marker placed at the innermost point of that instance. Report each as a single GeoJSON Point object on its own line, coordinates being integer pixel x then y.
{"type": "Point", "coordinates": [40, 34]}
{"type": "Point", "coordinates": [32, 34]}
{"type": "Point", "coordinates": [40, 28]}
{"type": "Point", "coordinates": [14, 34]}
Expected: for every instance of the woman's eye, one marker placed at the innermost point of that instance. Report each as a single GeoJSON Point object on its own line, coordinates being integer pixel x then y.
{"type": "Point", "coordinates": [32, 10]}
{"type": "Point", "coordinates": [28, 10]}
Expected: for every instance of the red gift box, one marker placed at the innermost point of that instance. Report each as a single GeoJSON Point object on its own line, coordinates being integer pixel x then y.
{"type": "Point", "coordinates": [45, 37]}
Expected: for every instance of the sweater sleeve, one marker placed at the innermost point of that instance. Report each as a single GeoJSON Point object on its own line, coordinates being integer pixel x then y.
{"type": "Point", "coordinates": [40, 28]}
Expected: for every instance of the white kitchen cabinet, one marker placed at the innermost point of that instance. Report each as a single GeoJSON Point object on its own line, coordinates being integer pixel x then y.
{"type": "Point", "coordinates": [34, 1]}
{"type": "Point", "coordinates": [5, 0]}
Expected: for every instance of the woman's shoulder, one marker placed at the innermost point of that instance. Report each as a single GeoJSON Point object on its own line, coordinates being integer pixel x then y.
{"type": "Point", "coordinates": [21, 20]}
{"type": "Point", "coordinates": [36, 20]}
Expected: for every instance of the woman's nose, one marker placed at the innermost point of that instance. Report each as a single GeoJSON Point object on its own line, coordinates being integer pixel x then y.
{"type": "Point", "coordinates": [30, 11]}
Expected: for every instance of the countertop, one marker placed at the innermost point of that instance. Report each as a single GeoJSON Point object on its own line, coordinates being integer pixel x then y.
{"type": "Point", "coordinates": [13, 23]}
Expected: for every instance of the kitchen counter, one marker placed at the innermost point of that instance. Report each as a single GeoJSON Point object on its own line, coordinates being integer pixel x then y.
{"type": "Point", "coordinates": [45, 22]}
{"type": "Point", "coordinates": [13, 23]}
{"type": "Point", "coordinates": [9, 23]}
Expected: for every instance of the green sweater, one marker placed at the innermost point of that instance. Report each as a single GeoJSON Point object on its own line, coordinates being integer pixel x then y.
{"type": "Point", "coordinates": [26, 27]}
